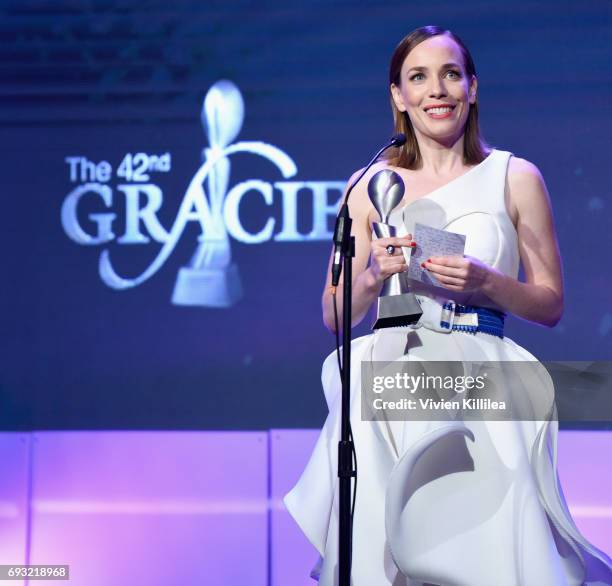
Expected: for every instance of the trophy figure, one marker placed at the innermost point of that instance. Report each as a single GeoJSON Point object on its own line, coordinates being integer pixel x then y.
{"type": "Point", "coordinates": [396, 306]}
{"type": "Point", "coordinates": [211, 279]}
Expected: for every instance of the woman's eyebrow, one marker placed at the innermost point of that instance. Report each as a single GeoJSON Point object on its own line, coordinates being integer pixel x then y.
{"type": "Point", "coordinates": [421, 68]}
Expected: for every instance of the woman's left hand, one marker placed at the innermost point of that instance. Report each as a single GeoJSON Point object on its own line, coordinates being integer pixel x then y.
{"type": "Point", "coordinates": [459, 273]}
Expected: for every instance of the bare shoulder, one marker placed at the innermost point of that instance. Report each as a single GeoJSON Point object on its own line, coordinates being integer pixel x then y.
{"type": "Point", "coordinates": [523, 170]}
{"type": "Point", "coordinates": [525, 187]}
{"type": "Point", "coordinates": [359, 200]}
{"type": "Point", "coordinates": [362, 186]}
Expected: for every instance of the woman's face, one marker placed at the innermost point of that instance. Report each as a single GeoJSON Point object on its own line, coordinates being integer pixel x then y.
{"type": "Point", "coordinates": [433, 74]}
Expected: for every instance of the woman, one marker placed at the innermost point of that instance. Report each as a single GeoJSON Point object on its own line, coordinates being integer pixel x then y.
{"type": "Point", "coordinates": [462, 503]}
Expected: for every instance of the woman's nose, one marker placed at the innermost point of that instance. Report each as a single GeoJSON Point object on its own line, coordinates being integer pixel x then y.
{"type": "Point", "coordinates": [437, 88]}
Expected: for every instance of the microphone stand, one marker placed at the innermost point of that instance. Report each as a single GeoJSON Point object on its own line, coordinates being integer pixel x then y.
{"type": "Point", "coordinates": [345, 251]}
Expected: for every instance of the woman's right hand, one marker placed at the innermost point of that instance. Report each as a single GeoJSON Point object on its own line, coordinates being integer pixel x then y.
{"type": "Point", "coordinates": [383, 264]}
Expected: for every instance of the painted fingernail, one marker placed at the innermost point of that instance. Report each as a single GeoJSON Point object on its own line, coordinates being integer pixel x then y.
{"type": "Point", "coordinates": [412, 244]}
{"type": "Point", "coordinates": [423, 265]}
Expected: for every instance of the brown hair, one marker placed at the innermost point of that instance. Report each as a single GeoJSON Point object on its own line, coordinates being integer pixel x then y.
{"type": "Point", "coordinates": [475, 148]}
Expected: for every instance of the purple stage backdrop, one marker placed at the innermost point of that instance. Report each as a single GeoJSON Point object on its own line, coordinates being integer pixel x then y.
{"type": "Point", "coordinates": [135, 508]}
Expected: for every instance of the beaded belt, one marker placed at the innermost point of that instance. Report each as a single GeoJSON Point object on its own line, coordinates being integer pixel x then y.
{"type": "Point", "coordinates": [472, 319]}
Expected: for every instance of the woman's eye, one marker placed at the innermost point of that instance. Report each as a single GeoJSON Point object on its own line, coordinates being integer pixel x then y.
{"type": "Point", "coordinates": [454, 73]}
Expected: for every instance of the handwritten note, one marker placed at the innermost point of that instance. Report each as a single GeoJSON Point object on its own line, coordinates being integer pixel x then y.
{"type": "Point", "coordinates": [432, 242]}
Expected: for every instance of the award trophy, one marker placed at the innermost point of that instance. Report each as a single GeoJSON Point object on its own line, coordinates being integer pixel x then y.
{"type": "Point", "coordinates": [396, 306]}
{"type": "Point", "coordinates": [211, 279]}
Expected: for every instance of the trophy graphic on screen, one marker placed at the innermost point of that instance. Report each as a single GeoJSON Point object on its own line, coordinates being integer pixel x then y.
{"type": "Point", "coordinates": [211, 279]}
{"type": "Point", "coordinates": [396, 305]}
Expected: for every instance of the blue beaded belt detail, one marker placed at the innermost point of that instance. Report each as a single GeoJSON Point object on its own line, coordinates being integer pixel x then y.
{"type": "Point", "coordinates": [490, 321]}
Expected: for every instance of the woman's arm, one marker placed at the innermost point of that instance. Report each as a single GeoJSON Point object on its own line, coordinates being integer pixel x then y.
{"type": "Point", "coordinates": [367, 280]}
{"type": "Point", "coordinates": [540, 298]}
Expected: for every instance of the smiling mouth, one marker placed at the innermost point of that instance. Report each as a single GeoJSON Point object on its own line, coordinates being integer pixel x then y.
{"type": "Point", "coordinates": [440, 110]}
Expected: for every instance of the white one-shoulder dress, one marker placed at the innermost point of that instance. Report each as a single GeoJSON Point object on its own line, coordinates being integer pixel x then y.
{"type": "Point", "coordinates": [448, 503]}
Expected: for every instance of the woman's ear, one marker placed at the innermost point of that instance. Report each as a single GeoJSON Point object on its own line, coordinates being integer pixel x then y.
{"type": "Point", "coordinates": [473, 90]}
{"type": "Point", "coordinates": [397, 98]}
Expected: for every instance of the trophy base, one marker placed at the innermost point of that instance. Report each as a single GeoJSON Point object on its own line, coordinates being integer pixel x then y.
{"type": "Point", "coordinates": [397, 310]}
{"type": "Point", "coordinates": [219, 287]}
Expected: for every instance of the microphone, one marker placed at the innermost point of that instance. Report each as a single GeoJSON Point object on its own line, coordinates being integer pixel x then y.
{"type": "Point", "coordinates": [342, 231]}
{"type": "Point", "coordinates": [398, 139]}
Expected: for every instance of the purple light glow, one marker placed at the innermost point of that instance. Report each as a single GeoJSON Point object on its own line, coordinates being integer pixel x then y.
{"type": "Point", "coordinates": [197, 508]}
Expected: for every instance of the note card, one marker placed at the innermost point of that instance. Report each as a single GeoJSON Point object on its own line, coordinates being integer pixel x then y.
{"type": "Point", "coordinates": [432, 242]}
